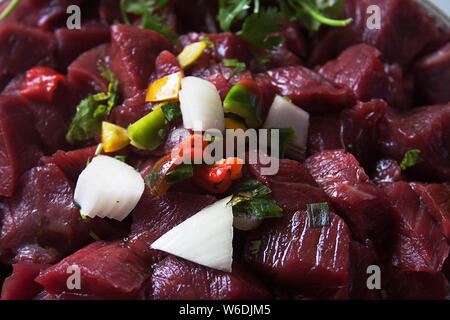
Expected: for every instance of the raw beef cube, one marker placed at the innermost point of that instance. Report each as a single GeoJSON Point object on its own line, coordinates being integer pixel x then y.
{"type": "Point", "coordinates": [19, 145]}
{"type": "Point", "coordinates": [405, 29]}
{"type": "Point", "coordinates": [286, 250]}
{"type": "Point", "coordinates": [432, 76]}
{"type": "Point", "coordinates": [426, 129]}
{"type": "Point", "coordinates": [307, 89]}
{"type": "Point", "coordinates": [21, 285]}
{"type": "Point", "coordinates": [107, 270]}
{"type": "Point", "coordinates": [175, 279]}
{"type": "Point", "coordinates": [420, 244]}
{"type": "Point", "coordinates": [134, 52]}
{"type": "Point", "coordinates": [358, 200]}
{"type": "Point", "coordinates": [360, 69]}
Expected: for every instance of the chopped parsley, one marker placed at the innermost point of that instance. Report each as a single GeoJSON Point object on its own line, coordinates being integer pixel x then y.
{"type": "Point", "coordinates": [319, 215]}
{"type": "Point", "coordinates": [411, 158]}
{"type": "Point", "coordinates": [238, 66]}
{"type": "Point", "coordinates": [254, 246]}
{"type": "Point", "coordinates": [91, 111]}
{"type": "Point", "coordinates": [180, 173]}
{"type": "Point", "coordinates": [250, 199]}
{"type": "Point", "coordinates": [150, 11]}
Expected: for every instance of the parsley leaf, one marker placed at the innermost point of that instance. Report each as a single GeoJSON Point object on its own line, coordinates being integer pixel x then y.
{"type": "Point", "coordinates": [91, 111]}
{"type": "Point", "coordinates": [250, 199]}
{"type": "Point", "coordinates": [180, 173]}
{"type": "Point", "coordinates": [314, 13]}
{"type": "Point", "coordinates": [151, 19]}
{"type": "Point", "coordinates": [258, 25]}
{"type": "Point", "coordinates": [411, 158]}
{"type": "Point", "coordinates": [238, 66]}
{"type": "Point", "coordinates": [171, 111]}
{"type": "Point", "coordinates": [232, 11]}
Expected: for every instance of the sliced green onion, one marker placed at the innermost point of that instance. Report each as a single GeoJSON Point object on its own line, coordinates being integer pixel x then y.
{"type": "Point", "coordinates": [319, 215]}
{"type": "Point", "coordinates": [9, 9]}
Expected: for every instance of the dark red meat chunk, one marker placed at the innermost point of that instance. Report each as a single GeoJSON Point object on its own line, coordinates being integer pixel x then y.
{"type": "Point", "coordinates": [398, 285]}
{"type": "Point", "coordinates": [22, 48]}
{"type": "Point", "coordinates": [420, 245]}
{"type": "Point", "coordinates": [324, 134]}
{"type": "Point", "coordinates": [307, 89]}
{"type": "Point", "coordinates": [155, 216]}
{"type": "Point", "coordinates": [72, 43]}
{"type": "Point", "coordinates": [134, 52]}
{"type": "Point", "coordinates": [43, 14]}
{"type": "Point", "coordinates": [426, 129]}
{"type": "Point", "coordinates": [436, 197]}
{"type": "Point", "coordinates": [359, 129]}
{"type": "Point", "coordinates": [358, 200]}
{"type": "Point", "coordinates": [166, 63]}
{"type": "Point", "coordinates": [43, 224]}
{"type": "Point", "coordinates": [360, 69]}
{"type": "Point", "coordinates": [361, 258]}
{"type": "Point", "coordinates": [175, 279]}
{"type": "Point", "coordinates": [71, 162]}
{"type": "Point", "coordinates": [107, 271]}
{"type": "Point", "coordinates": [83, 74]}
{"type": "Point", "coordinates": [19, 145]}
{"type": "Point", "coordinates": [21, 285]}
{"type": "Point", "coordinates": [432, 75]}
{"type": "Point", "coordinates": [397, 40]}
{"type": "Point", "coordinates": [290, 252]}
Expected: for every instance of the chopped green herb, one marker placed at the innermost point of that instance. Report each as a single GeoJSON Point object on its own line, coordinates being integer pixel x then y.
{"type": "Point", "coordinates": [99, 149]}
{"type": "Point", "coordinates": [411, 158]}
{"type": "Point", "coordinates": [94, 236]}
{"type": "Point", "coordinates": [10, 8]}
{"type": "Point", "coordinates": [120, 158]}
{"type": "Point", "coordinates": [171, 111]}
{"type": "Point", "coordinates": [238, 66]}
{"type": "Point", "coordinates": [151, 177]}
{"type": "Point", "coordinates": [207, 41]}
{"type": "Point", "coordinates": [319, 215]}
{"type": "Point", "coordinates": [254, 246]}
{"type": "Point", "coordinates": [83, 217]}
{"type": "Point", "coordinates": [152, 17]}
{"type": "Point", "coordinates": [314, 13]}
{"type": "Point", "coordinates": [258, 26]}
{"type": "Point", "coordinates": [250, 199]}
{"type": "Point", "coordinates": [90, 112]}
{"type": "Point", "coordinates": [231, 11]}
{"type": "Point", "coordinates": [180, 173]}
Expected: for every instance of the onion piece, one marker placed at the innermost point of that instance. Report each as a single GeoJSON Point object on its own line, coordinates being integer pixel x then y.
{"type": "Point", "coordinates": [108, 188]}
{"type": "Point", "coordinates": [285, 114]}
{"type": "Point", "coordinates": [205, 238]}
{"type": "Point", "coordinates": [201, 105]}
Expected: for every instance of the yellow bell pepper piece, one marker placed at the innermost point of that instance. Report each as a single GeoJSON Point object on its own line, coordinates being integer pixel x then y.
{"type": "Point", "coordinates": [234, 124]}
{"type": "Point", "coordinates": [114, 138]}
{"type": "Point", "coordinates": [191, 53]}
{"type": "Point", "coordinates": [164, 89]}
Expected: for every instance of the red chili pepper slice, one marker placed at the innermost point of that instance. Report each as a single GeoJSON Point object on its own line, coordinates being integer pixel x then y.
{"type": "Point", "coordinates": [41, 83]}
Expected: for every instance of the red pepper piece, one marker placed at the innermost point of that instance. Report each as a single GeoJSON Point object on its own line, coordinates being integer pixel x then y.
{"type": "Point", "coordinates": [41, 83]}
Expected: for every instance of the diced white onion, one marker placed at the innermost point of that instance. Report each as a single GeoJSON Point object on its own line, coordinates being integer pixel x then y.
{"type": "Point", "coordinates": [205, 238]}
{"type": "Point", "coordinates": [201, 106]}
{"type": "Point", "coordinates": [284, 114]}
{"type": "Point", "coordinates": [108, 188]}
{"type": "Point", "coordinates": [246, 223]}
